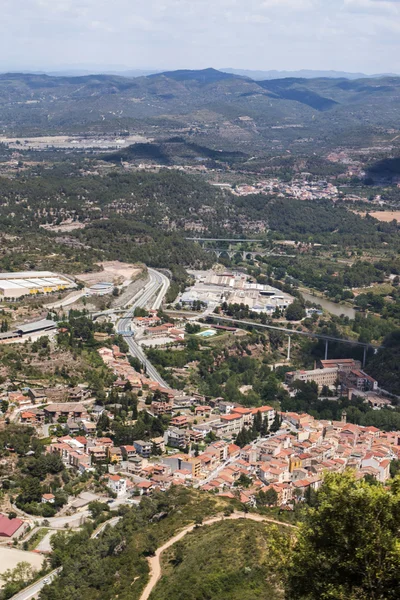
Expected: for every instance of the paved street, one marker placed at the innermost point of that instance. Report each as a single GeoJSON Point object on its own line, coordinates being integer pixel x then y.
{"type": "Point", "coordinates": [33, 590]}
{"type": "Point", "coordinates": [151, 297]}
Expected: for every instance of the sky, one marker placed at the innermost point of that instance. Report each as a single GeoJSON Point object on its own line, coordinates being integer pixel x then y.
{"type": "Point", "coordinates": [348, 35]}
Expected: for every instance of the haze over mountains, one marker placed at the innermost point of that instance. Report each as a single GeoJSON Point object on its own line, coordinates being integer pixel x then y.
{"type": "Point", "coordinates": [75, 71]}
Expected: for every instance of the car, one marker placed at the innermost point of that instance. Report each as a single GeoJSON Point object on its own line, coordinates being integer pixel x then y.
{"type": "Point", "coordinates": [46, 580]}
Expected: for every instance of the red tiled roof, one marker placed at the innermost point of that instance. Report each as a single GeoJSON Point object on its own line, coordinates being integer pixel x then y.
{"type": "Point", "coordinates": [9, 526]}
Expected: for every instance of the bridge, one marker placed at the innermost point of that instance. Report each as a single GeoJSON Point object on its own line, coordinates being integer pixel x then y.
{"type": "Point", "coordinates": [290, 332]}
{"type": "Point", "coordinates": [245, 254]}
{"type": "Point", "coordinates": [232, 240]}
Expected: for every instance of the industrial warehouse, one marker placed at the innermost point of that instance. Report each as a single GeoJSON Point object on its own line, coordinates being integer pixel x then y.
{"type": "Point", "coordinates": [17, 285]}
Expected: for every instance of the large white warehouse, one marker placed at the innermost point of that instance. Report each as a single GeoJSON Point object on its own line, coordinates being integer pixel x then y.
{"type": "Point", "coordinates": [16, 285]}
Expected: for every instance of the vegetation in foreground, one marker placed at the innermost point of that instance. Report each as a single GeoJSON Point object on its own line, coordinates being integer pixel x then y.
{"type": "Point", "coordinates": [231, 559]}
{"type": "Point", "coordinates": [349, 545]}
{"type": "Point", "coordinates": [115, 564]}
{"type": "Point", "coordinates": [347, 548]}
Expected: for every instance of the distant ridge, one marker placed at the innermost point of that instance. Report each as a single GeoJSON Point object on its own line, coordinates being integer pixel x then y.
{"type": "Point", "coordinates": [303, 74]}
{"type": "Point", "coordinates": [209, 75]}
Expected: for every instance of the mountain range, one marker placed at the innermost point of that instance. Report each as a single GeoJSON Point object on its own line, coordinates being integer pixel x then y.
{"type": "Point", "coordinates": [257, 75]}
{"type": "Point", "coordinates": [206, 104]}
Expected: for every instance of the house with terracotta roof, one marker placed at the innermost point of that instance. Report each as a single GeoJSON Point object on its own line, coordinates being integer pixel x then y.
{"type": "Point", "coordinates": [180, 421]}
{"type": "Point", "coordinates": [48, 499]}
{"type": "Point", "coordinates": [267, 413]}
{"type": "Point", "coordinates": [245, 413]}
{"type": "Point", "coordinates": [202, 410]}
{"type": "Point", "coordinates": [231, 424]}
{"type": "Point", "coordinates": [161, 408]}
{"type": "Point", "coordinates": [116, 484]}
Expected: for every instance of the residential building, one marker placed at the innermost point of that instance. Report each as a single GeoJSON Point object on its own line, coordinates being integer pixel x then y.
{"type": "Point", "coordinates": [48, 499]}
{"type": "Point", "coordinates": [128, 452]}
{"type": "Point", "coordinates": [231, 424]}
{"type": "Point", "coordinates": [116, 484]}
{"type": "Point", "coordinates": [142, 448]}
{"type": "Point", "coordinates": [322, 377]}
{"type": "Point", "coordinates": [114, 454]}
{"type": "Point", "coordinates": [159, 444]}
{"type": "Point", "coordinates": [161, 408]}
{"type": "Point", "coordinates": [73, 410]}
{"type": "Point", "coordinates": [179, 421]}
{"type": "Point", "coordinates": [176, 438]}
{"type": "Point", "coordinates": [180, 462]}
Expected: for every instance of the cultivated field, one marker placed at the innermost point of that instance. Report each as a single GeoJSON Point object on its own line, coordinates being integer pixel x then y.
{"type": "Point", "coordinates": [386, 216]}
{"type": "Point", "coordinates": [72, 142]}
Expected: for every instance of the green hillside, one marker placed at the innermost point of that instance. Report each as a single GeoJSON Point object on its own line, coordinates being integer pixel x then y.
{"type": "Point", "coordinates": [207, 103]}
{"type": "Point", "coordinates": [228, 560]}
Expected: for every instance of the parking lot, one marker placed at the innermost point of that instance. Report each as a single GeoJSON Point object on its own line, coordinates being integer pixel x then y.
{"type": "Point", "coordinates": [9, 558]}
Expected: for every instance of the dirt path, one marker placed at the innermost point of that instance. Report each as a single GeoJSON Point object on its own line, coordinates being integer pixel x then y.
{"type": "Point", "coordinates": [155, 561]}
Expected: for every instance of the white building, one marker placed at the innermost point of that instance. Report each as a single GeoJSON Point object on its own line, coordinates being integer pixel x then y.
{"type": "Point", "coordinates": [116, 484]}
{"type": "Point", "coordinates": [16, 285]}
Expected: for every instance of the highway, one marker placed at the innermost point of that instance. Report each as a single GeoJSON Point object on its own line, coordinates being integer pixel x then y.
{"type": "Point", "coordinates": [151, 296]}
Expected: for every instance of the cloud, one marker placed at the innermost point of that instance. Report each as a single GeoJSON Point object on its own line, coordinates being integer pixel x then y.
{"type": "Point", "coordinates": [357, 35]}
{"type": "Point", "coordinates": [372, 6]}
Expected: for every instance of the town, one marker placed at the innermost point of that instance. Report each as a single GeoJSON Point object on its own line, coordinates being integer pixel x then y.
{"type": "Point", "coordinates": [258, 455]}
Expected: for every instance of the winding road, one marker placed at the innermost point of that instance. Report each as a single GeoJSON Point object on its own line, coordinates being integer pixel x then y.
{"type": "Point", "coordinates": [155, 561]}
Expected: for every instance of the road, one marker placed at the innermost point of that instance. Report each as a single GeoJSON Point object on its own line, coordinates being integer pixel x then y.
{"type": "Point", "coordinates": [155, 561]}
{"type": "Point", "coordinates": [34, 589]}
{"type": "Point", "coordinates": [151, 296]}
{"type": "Point", "coordinates": [112, 523]}
{"type": "Point", "coordinates": [70, 299]}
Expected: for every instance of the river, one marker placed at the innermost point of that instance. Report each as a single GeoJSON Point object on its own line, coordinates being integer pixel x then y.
{"type": "Point", "coordinates": [332, 307]}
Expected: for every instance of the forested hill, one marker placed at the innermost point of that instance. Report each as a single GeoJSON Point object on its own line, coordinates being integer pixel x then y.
{"type": "Point", "coordinates": [173, 201]}
{"type": "Point", "coordinates": [194, 98]}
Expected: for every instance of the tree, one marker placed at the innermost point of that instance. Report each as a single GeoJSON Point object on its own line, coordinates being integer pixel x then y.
{"type": "Point", "coordinates": [271, 497]}
{"type": "Point", "coordinates": [23, 572]}
{"type": "Point", "coordinates": [295, 311]}
{"type": "Point", "coordinates": [156, 450]}
{"type": "Point", "coordinates": [179, 551]}
{"type": "Point", "coordinates": [97, 508]}
{"type": "Point", "coordinates": [243, 481]}
{"type": "Point", "coordinates": [395, 468]}
{"type": "Point", "coordinates": [348, 546]}
{"type": "Point", "coordinates": [276, 423]}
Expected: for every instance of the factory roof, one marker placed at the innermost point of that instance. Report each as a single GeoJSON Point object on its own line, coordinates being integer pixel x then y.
{"type": "Point", "coordinates": [26, 275]}
{"type": "Point", "coordinates": [37, 326]}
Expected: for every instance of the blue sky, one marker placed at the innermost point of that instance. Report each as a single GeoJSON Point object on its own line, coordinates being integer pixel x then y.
{"type": "Point", "coordinates": [351, 35]}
